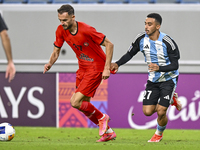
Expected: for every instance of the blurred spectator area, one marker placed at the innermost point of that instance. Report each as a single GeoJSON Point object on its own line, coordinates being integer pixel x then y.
{"type": "Point", "coordinates": [99, 1]}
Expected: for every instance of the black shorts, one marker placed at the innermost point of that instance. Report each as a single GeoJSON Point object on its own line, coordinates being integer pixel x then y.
{"type": "Point", "coordinates": [159, 93]}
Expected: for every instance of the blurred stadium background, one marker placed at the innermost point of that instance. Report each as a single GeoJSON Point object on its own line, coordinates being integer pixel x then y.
{"type": "Point", "coordinates": [35, 99]}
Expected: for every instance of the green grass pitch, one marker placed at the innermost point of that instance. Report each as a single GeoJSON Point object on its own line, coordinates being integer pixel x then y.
{"type": "Point", "coordinates": [46, 138]}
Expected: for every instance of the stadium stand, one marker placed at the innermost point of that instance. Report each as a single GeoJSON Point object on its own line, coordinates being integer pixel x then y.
{"type": "Point", "coordinates": [189, 1]}
{"type": "Point", "coordinates": [65, 1]}
{"type": "Point", "coordinates": [101, 1]}
{"type": "Point", "coordinates": [39, 1]}
{"type": "Point", "coordinates": [14, 1]}
{"type": "Point", "coordinates": [116, 1]}
{"type": "Point", "coordinates": [91, 1]}
{"type": "Point", "coordinates": [142, 1]}
{"type": "Point", "coordinates": [167, 1]}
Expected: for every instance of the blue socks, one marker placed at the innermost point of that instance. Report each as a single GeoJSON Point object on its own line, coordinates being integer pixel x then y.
{"type": "Point", "coordinates": [160, 129]}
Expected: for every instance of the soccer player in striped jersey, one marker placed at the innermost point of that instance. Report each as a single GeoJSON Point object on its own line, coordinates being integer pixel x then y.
{"type": "Point", "coordinates": [161, 54]}
{"type": "Point", "coordinates": [94, 65]}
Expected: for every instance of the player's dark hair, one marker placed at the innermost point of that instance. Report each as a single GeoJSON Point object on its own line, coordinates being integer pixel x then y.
{"type": "Point", "coordinates": [156, 16]}
{"type": "Point", "coordinates": [66, 8]}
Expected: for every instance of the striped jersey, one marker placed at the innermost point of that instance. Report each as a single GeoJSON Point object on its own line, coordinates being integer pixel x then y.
{"type": "Point", "coordinates": [163, 52]}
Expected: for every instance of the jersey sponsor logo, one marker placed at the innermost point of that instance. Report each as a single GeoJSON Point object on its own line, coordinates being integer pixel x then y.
{"type": "Point", "coordinates": [85, 57]}
{"type": "Point", "coordinates": [86, 44]}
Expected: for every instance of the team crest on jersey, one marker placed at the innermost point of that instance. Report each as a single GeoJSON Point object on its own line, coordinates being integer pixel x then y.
{"type": "Point", "coordinates": [86, 44]}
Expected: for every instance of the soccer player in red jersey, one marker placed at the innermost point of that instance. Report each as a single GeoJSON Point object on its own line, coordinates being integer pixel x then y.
{"type": "Point", "coordinates": [94, 65]}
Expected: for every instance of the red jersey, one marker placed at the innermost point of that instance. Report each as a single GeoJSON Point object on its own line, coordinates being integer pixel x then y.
{"type": "Point", "coordinates": [85, 43]}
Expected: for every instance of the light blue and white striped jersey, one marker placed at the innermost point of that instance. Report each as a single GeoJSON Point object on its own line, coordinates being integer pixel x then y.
{"type": "Point", "coordinates": [161, 52]}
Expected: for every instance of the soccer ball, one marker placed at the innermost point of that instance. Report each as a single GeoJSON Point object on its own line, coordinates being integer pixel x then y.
{"type": "Point", "coordinates": [7, 132]}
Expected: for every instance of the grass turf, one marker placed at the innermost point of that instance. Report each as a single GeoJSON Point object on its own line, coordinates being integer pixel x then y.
{"type": "Point", "coordinates": [45, 138]}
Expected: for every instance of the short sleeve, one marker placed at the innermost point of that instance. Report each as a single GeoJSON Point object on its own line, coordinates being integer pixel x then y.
{"type": "Point", "coordinates": [59, 37]}
{"type": "Point", "coordinates": [2, 24]}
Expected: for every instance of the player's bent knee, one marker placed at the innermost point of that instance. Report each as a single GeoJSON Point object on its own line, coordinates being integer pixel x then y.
{"type": "Point", "coordinates": [75, 104]}
{"type": "Point", "coordinates": [161, 114]}
{"type": "Point", "coordinates": [147, 112]}
{"type": "Point", "coordinates": [161, 111]}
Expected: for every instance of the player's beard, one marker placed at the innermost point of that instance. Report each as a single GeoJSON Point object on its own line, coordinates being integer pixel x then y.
{"type": "Point", "coordinates": [67, 27]}
{"type": "Point", "coordinates": [151, 33]}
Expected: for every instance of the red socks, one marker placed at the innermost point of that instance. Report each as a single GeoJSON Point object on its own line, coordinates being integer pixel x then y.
{"type": "Point", "coordinates": [93, 119]}
{"type": "Point", "coordinates": [91, 112]}
{"type": "Point", "coordinates": [89, 109]}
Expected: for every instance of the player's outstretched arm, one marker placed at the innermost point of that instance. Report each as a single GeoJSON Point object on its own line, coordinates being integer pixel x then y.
{"type": "Point", "coordinates": [114, 67]}
{"type": "Point", "coordinates": [109, 54]}
{"type": "Point", "coordinates": [52, 60]}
